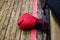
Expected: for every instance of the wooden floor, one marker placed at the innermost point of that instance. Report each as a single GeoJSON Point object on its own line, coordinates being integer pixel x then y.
{"type": "Point", "coordinates": [10, 11]}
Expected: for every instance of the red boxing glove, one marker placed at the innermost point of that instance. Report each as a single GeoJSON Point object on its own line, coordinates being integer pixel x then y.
{"type": "Point", "coordinates": [27, 21]}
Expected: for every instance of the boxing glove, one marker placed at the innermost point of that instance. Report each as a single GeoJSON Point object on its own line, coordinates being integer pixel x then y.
{"type": "Point", "coordinates": [27, 21]}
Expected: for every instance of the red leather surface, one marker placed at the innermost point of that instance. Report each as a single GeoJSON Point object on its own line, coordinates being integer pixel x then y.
{"type": "Point", "coordinates": [27, 21]}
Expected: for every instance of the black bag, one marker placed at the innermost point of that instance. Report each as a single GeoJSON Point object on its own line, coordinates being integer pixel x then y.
{"type": "Point", "coordinates": [54, 5]}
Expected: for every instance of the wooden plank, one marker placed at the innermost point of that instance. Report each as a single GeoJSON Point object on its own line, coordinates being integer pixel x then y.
{"type": "Point", "coordinates": [18, 13]}
{"type": "Point", "coordinates": [29, 7]}
{"type": "Point", "coordinates": [2, 24]}
{"type": "Point", "coordinates": [55, 27]}
{"type": "Point", "coordinates": [25, 35]}
{"type": "Point", "coordinates": [39, 33]}
{"type": "Point", "coordinates": [11, 29]}
{"type": "Point", "coordinates": [39, 36]}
